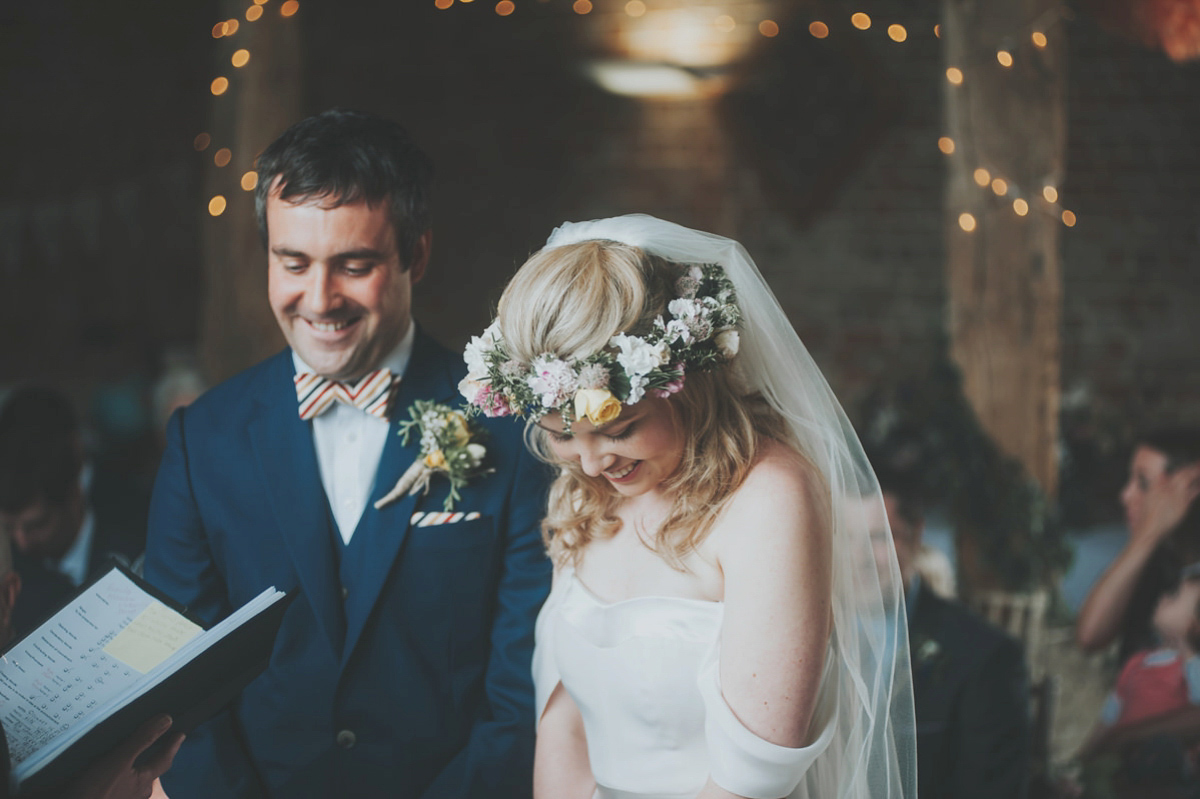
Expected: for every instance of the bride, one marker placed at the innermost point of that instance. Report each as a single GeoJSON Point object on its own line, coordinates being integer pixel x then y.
{"type": "Point", "coordinates": [717, 627]}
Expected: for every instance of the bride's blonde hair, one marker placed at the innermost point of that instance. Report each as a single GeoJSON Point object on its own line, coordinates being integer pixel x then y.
{"type": "Point", "coordinates": [570, 301]}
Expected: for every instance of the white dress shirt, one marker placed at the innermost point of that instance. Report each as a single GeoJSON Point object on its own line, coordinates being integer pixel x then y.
{"type": "Point", "coordinates": [74, 563]}
{"type": "Point", "coordinates": [349, 443]}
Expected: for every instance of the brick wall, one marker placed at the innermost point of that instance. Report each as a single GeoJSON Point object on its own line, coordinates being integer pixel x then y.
{"type": "Point", "coordinates": [823, 162]}
{"type": "Point", "coordinates": [1132, 265]}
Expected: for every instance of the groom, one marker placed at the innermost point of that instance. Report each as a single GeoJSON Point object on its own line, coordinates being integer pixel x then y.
{"type": "Point", "coordinates": [402, 669]}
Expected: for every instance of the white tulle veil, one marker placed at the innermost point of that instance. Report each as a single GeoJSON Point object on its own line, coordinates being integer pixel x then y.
{"type": "Point", "coordinates": [873, 754]}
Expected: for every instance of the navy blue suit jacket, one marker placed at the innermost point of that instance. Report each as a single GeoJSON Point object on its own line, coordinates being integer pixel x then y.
{"type": "Point", "coordinates": [971, 694]}
{"type": "Point", "coordinates": [414, 683]}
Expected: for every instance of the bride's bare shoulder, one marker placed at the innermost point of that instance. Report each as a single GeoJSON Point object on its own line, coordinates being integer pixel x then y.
{"type": "Point", "coordinates": [781, 471]}
{"type": "Point", "coordinates": [782, 493]}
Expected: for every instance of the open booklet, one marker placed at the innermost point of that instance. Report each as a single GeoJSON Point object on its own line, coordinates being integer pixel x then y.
{"type": "Point", "coordinates": [111, 658]}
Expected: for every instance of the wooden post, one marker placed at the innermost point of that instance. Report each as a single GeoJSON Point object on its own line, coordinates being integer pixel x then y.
{"type": "Point", "coordinates": [1004, 276]}
{"type": "Point", "coordinates": [263, 98]}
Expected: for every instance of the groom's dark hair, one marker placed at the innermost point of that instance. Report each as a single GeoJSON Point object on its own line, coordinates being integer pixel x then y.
{"type": "Point", "coordinates": [342, 157]}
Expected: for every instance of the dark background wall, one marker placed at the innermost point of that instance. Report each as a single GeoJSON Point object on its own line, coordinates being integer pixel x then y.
{"type": "Point", "coordinates": [822, 160]}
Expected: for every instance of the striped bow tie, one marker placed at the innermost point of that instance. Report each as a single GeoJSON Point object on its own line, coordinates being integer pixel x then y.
{"type": "Point", "coordinates": [370, 393]}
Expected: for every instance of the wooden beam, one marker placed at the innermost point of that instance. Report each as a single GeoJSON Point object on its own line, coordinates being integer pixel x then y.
{"type": "Point", "coordinates": [1004, 276]}
{"type": "Point", "coordinates": [263, 99]}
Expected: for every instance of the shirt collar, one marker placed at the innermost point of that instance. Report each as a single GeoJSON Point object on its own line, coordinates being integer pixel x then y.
{"type": "Point", "coordinates": [74, 563]}
{"type": "Point", "coordinates": [396, 361]}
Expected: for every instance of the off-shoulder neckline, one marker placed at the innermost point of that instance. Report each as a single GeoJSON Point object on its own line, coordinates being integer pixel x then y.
{"type": "Point", "coordinates": [605, 603]}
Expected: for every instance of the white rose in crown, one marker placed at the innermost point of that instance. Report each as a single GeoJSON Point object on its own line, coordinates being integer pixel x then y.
{"type": "Point", "coordinates": [728, 343]}
{"type": "Point", "coordinates": [476, 352]}
{"type": "Point", "coordinates": [638, 356]}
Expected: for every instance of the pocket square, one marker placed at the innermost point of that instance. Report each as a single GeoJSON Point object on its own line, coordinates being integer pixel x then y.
{"type": "Point", "coordinates": [431, 519]}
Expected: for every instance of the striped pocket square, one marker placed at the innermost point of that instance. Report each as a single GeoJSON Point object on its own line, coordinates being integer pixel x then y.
{"type": "Point", "coordinates": [432, 519]}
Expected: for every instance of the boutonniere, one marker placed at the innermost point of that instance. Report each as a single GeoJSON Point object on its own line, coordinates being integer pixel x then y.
{"type": "Point", "coordinates": [927, 651]}
{"type": "Point", "coordinates": [449, 445]}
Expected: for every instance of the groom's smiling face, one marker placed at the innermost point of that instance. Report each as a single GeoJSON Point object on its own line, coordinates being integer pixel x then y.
{"type": "Point", "coordinates": [336, 284]}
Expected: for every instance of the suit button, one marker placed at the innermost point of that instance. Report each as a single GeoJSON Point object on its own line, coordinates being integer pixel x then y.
{"type": "Point", "coordinates": [346, 739]}
{"type": "Point", "coordinates": [345, 592]}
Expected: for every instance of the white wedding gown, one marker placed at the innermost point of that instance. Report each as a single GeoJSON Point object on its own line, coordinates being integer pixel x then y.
{"type": "Point", "coordinates": [644, 674]}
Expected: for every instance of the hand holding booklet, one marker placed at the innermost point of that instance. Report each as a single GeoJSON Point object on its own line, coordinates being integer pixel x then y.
{"type": "Point", "coordinates": [111, 658]}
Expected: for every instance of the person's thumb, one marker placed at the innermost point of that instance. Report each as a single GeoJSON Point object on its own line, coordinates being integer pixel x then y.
{"type": "Point", "coordinates": [144, 737]}
{"type": "Point", "coordinates": [157, 765]}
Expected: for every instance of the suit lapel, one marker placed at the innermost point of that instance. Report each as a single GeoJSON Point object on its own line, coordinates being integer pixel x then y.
{"type": "Point", "coordinates": [384, 531]}
{"type": "Point", "coordinates": [287, 460]}
{"type": "Point", "coordinates": [928, 655]}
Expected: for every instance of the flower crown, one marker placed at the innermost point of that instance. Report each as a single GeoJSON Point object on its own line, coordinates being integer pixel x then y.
{"type": "Point", "coordinates": [699, 334]}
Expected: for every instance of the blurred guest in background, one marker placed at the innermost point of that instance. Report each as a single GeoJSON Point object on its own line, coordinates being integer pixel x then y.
{"type": "Point", "coordinates": [179, 383]}
{"type": "Point", "coordinates": [62, 528]}
{"type": "Point", "coordinates": [936, 571]}
{"type": "Point", "coordinates": [970, 685]}
{"type": "Point", "coordinates": [1164, 538]}
{"type": "Point", "coordinates": [1157, 689]}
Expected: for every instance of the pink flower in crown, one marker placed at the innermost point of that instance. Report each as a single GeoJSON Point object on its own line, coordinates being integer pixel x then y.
{"type": "Point", "coordinates": [493, 403]}
{"type": "Point", "coordinates": [687, 286]}
{"type": "Point", "coordinates": [593, 376]}
{"type": "Point", "coordinates": [553, 380]}
{"type": "Point", "coordinates": [674, 387]}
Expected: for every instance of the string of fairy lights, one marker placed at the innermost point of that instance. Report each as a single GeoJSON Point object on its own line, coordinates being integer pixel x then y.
{"type": "Point", "coordinates": [1046, 200]}
{"type": "Point", "coordinates": [220, 86]}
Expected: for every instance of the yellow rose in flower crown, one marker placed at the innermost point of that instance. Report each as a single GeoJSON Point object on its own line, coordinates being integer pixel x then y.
{"type": "Point", "coordinates": [435, 460]}
{"type": "Point", "coordinates": [597, 404]}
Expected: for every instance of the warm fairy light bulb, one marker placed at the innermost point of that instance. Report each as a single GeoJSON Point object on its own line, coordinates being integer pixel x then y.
{"type": "Point", "coordinates": [818, 29]}
{"type": "Point", "coordinates": [1068, 218]}
{"type": "Point", "coordinates": [216, 206]}
{"type": "Point", "coordinates": [222, 157]}
{"type": "Point", "coordinates": [946, 145]}
{"type": "Point", "coordinates": [1004, 57]}
{"type": "Point", "coordinates": [1050, 193]}
{"type": "Point", "coordinates": [982, 177]}
{"type": "Point", "coordinates": [218, 30]}
{"type": "Point", "coordinates": [1039, 39]}
{"type": "Point", "coordinates": [860, 21]}
{"type": "Point", "coordinates": [249, 180]}
{"type": "Point", "coordinates": [582, 7]}
{"type": "Point", "coordinates": [219, 86]}
{"type": "Point", "coordinates": [966, 222]}
{"type": "Point", "coordinates": [201, 142]}
{"type": "Point", "coordinates": [954, 75]}
{"type": "Point", "coordinates": [289, 8]}
{"type": "Point", "coordinates": [724, 23]}
{"type": "Point", "coordinates": [635, 8]}
{"type": "Point", "coordinates": [768, 28]}
{"type": "Point", "coordinates": [937, 30]}
{"type": "Point", "coordinates": [1000, 186]}
{"type": "Point", "coordinates": [1020, 207]}
{"type": "Point", "coordinates": [443, 4]}
{"type": "Point", "coordinates": [897, 33]}
{"type": "Point", "coordinates": [253, 13]}
{"type": "Point", "coordinates": [241, 57]}
{"type": "Point", "coordinates": [505, 7]}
